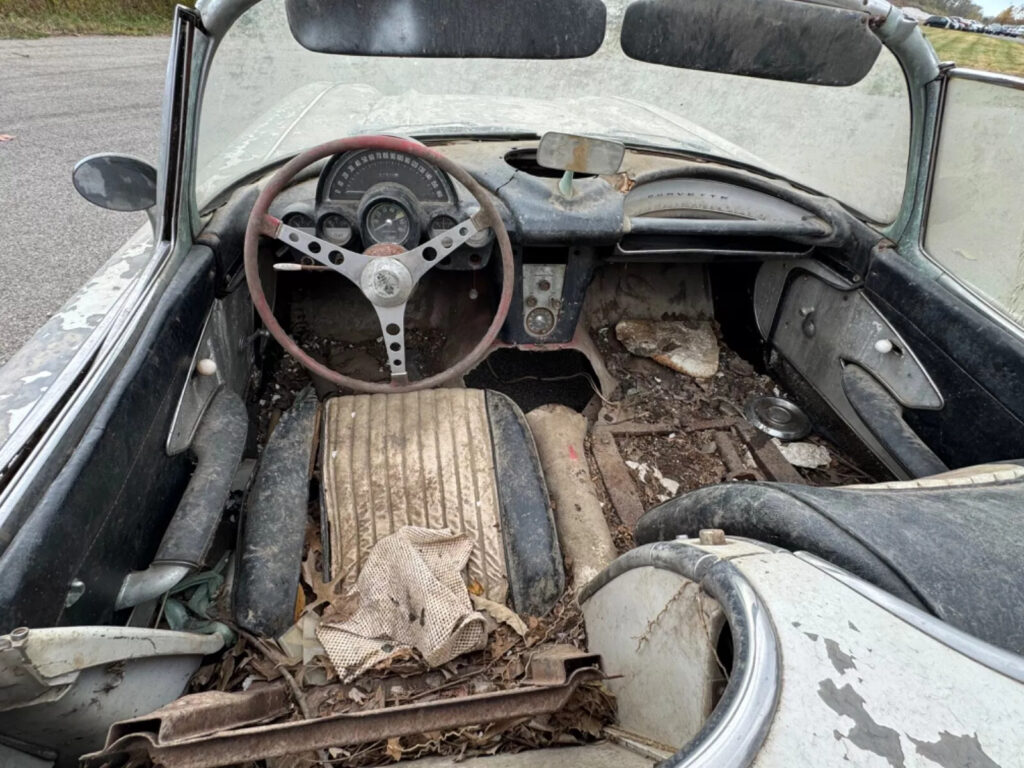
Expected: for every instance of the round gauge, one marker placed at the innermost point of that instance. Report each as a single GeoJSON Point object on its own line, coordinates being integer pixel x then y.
{"type": "Point", "coordinates": [299, 220]}
{"type": "Point", "coordinates": [336, 228]}
{"type": "Point", "coordinates": [441, 224]}
{"type": "Point", "coordinates": [387, 221]}
{"type": "Point", "coordinates": [479, 239]}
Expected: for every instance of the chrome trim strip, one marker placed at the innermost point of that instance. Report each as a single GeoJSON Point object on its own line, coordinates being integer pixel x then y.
{"type": "Point", "coordinates": [995, 78]}
{"type": "Point", "coordinates": [996, 659]}
{"type": "Point", "coordinates": [736, 733]}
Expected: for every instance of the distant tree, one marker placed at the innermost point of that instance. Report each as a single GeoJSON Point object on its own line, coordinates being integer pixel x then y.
{"type": "Point", "coordinates": [965, 8]}
{"type": "Point", "coordinates": [1013, 14]}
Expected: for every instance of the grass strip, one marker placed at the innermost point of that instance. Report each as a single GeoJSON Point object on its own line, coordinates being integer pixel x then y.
{"type": "Point", "coordinates": [42, 18]}
{"type": "Point", "coordinates": [978, 51]}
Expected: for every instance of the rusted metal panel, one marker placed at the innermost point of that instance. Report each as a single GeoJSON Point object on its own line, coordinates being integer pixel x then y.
{"type": "Point", "coordinates": [181, 736]}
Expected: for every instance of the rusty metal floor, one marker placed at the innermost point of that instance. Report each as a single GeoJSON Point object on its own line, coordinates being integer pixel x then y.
{"type": "Point", "coordinates": [420, 458]}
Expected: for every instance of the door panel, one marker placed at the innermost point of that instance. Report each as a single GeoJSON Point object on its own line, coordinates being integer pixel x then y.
{"type": "Point", "coordinates": [976, 364]}
{"type": "Point", "coordinates": [106, 511]}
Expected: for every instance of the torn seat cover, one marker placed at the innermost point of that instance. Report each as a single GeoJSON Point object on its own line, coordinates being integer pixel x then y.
{"type": "Point", "coordinates": [461, 459]}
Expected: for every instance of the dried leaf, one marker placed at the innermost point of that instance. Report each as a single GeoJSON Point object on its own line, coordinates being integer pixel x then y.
{"type": "Point", "coordinates": [394, 749]}
{"type": "Point", "coordinates": [499, 612]}
{"type": "Point", "coordinates": [476, 588]}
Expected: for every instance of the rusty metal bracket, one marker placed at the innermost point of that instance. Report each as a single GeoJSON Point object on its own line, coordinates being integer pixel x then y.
{"type": "Point", "coordinates": [202, 731]}
{"type": "Point", "coordinates": [735, 467]}
{"type": "Point", "coordinates": [554, 665]}
{"type": "Point", "coordinates": [617, 480]}
{"type": "Point", "coordinates": [768, 457]}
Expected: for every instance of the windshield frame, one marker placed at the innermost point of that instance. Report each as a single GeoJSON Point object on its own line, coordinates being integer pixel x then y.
{"type": "Point", "coordinates": [899, 35]}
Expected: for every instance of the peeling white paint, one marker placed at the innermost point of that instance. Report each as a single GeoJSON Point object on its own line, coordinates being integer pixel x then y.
{"type": "Point", "coordinates": [98, 295]}
{"type": "Point", "coordinates": [87, 307]}
{"type": "Point", "coordinates": [862, 687]}
{"type": "Point", "coordinates": [17, 415]}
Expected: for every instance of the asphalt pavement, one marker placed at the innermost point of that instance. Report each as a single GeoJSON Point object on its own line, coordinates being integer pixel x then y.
{"type": "Point", "coordinates": [61, 99]}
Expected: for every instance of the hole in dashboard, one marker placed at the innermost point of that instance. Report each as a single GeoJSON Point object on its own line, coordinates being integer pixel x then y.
{"type": "Point", "coordinates": [525, 160]}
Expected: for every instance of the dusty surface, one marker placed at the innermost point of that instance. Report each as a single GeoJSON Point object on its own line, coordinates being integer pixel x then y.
{"type": "Point", "coordinates": [61, 99]}
{"type": "Point", "coordinates": [666, 465]}
{"type": "Point", "coordinates": [680, 457]}
{"type": "Point", "coordinates": [406, 679]}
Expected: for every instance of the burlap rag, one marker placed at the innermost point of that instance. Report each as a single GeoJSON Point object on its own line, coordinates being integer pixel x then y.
{"type": "Point", "coordinates": [411, 593]}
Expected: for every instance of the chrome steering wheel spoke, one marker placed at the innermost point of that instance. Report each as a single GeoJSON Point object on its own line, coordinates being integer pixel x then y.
{"type": "Point", "coordinates": [423, 258]}
{"type": "Point", "coordinates": [392, 326]}
{"type": "Point", "coordinates": [334, 257]}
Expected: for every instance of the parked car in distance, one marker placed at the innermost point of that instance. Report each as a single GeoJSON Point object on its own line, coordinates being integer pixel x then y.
{"type": "Point", "coordinates": [938, 21]}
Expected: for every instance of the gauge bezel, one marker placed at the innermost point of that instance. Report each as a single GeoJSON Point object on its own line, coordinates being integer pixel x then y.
{"type": "Point", "coordinates": [288, 217]}
{"type": "Point", "coordinates": [324, 215]}
{"type": "Point", "coordinates": [399, 195]}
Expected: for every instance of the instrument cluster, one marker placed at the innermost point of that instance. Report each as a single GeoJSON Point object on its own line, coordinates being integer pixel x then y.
{"type": "Point", "coordinates": [368, 197]}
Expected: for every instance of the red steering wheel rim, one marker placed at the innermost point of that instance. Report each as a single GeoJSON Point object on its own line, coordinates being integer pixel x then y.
{"type": "Point", "coordinates": [261, 223]}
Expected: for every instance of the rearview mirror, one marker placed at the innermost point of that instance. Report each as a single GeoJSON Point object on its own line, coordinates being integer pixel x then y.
{"type": "Point", "coordinates": [580, 154]}
{"type": "Point", "coordinates": [116, 182]}
{"type": "Point", "coordinates": [494, 29]}
{"type": "Point", "coordinates": [777, 39]}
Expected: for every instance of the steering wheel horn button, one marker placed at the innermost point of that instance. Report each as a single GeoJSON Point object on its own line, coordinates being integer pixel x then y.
{"type": "Point", "coordinates": [386, 282]}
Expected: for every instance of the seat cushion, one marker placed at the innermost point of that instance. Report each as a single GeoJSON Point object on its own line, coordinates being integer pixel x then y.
{"type": "Point", "coordinates": [953, 549]}
{"type": "Point", "coordinates": [461, 459]}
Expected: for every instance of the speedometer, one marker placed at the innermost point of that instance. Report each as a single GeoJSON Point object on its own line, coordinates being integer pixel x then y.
{"type": "Point", "coordinates": [355, 173]}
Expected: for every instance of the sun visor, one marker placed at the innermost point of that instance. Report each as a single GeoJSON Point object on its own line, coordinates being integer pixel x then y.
{"type": "Point", "coordinates": [494, 29]}
{"type": "Point", "coordinates": [776, 39]}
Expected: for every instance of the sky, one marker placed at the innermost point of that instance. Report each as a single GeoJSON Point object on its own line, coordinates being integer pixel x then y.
{"type": "Point", "coordinates": [992, 7]}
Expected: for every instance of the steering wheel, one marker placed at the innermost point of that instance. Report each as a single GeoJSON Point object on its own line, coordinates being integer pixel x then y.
{"type": "Point", "coordinates": [386, 273]}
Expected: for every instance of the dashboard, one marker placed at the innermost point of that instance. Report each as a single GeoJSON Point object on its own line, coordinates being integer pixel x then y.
{"type": "Point", "coordinates": [658, 208]}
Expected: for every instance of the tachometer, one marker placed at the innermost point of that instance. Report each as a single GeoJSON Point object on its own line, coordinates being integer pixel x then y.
{"type": "Point", "coordinates": [389, 214]}
{"type": "Point", "coordinates": [354, 174]}
{"type": "Point", "coordinates": [388, 222]}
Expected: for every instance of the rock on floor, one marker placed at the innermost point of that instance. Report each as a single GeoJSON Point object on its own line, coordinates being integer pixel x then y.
{"type": "Point", "coordinates": [687, 346]}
